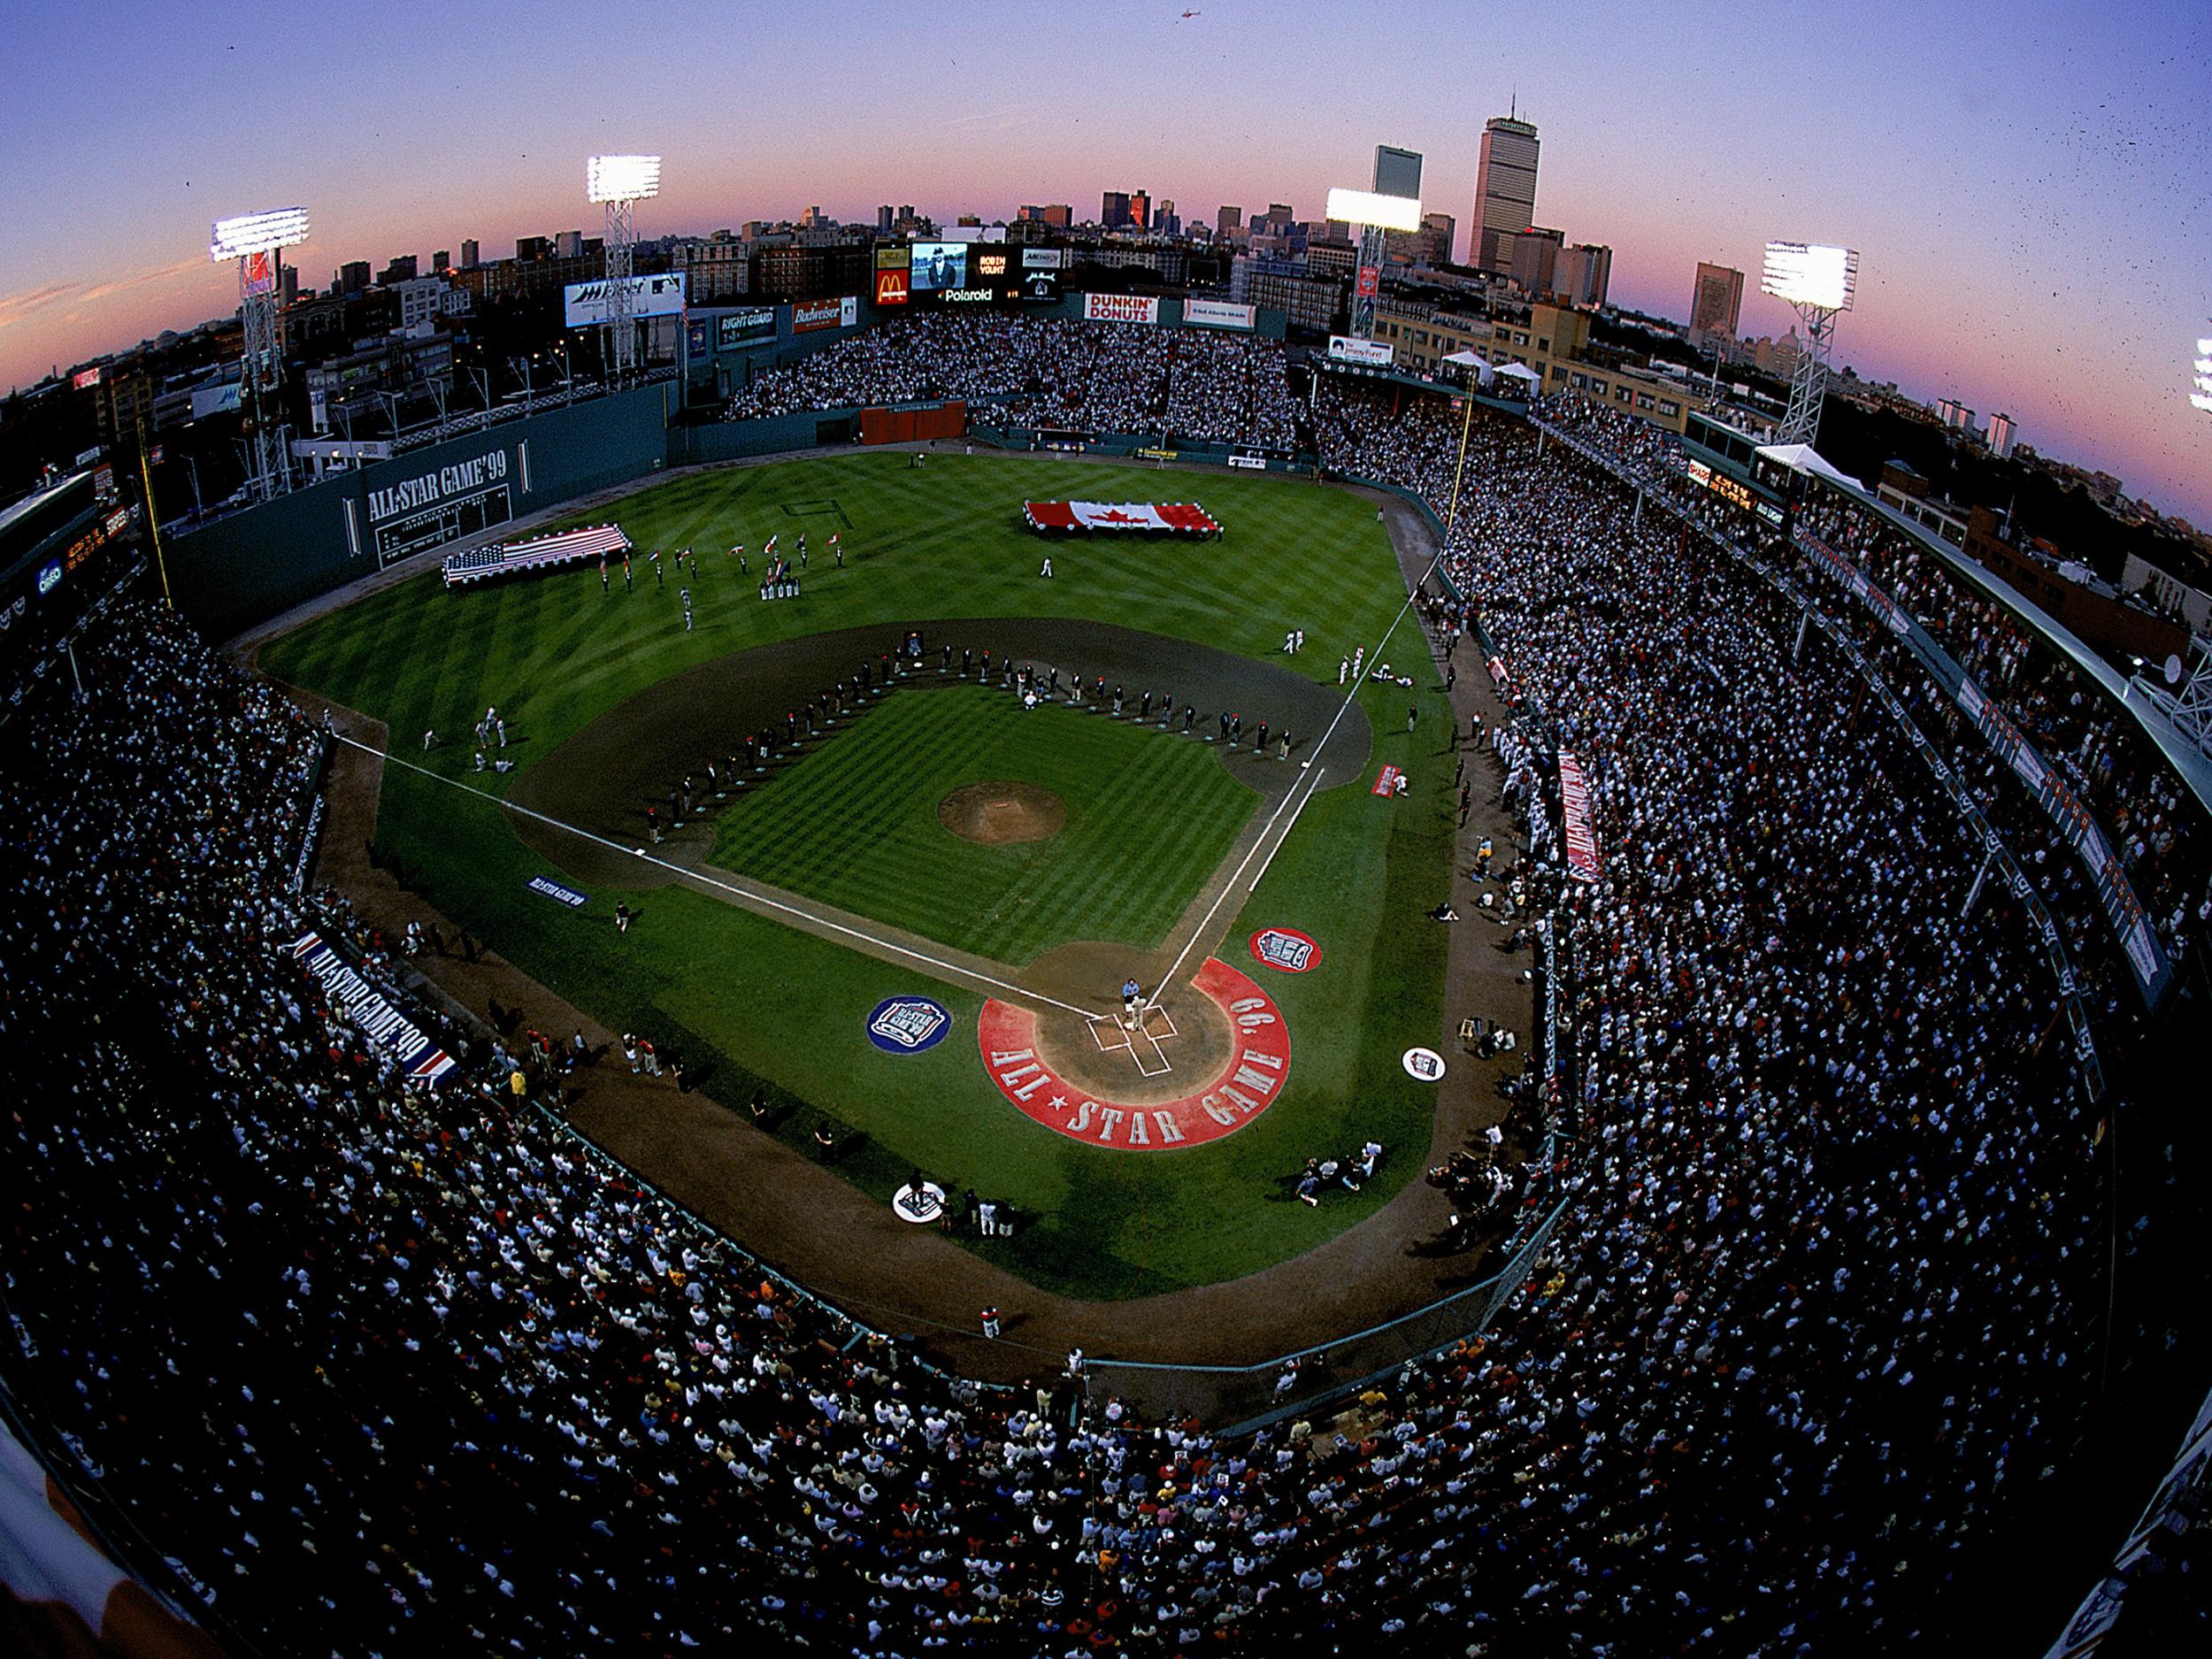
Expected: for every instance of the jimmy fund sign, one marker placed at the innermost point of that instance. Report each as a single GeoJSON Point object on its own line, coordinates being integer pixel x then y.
{"type": "Point", "coordinates": [436, 506]}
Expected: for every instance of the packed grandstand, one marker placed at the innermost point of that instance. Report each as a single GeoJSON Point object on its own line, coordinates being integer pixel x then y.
{"type": "Point", "coordinates": [374, 1368]}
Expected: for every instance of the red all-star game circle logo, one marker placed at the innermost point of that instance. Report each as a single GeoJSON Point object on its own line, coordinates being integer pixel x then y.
{"type": "Point", "coordinates": [1253, 1079]}
{"type": "Point", "coordinates": [1286, 948]}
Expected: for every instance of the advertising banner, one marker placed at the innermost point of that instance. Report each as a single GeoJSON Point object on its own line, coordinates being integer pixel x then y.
{"type": "Point", "coordinates": [891, 287]}
{"type": "Point", "coordinates": [423, 1062]}
{"type": "Point", "coordinates": [1219, 314]}
{"type": "Point", "coordinates": [1378, 354]}
{"type": "Point", "coordinates": [1574, 809]}
{"type": "Point", "coordinates": [2146, 957]}
{"type": "Point", "coordinates": [737, 328]}
{"type": "Point", "coordinates": [809, 315]}
{"type": "Point", "coordinates": [1120, 308]}
{"type": "Point", "coordinates": [585, 304]}
{"type": "Point", "coordinates": [1042, 259]}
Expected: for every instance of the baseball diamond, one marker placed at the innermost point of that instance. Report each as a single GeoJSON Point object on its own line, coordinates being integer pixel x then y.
{"type": "Point", "coordinates": [766, 794]}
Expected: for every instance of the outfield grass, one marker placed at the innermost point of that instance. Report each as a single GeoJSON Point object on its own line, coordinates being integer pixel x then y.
{"type": "Point", "coordinates": [855, 824]}
{"type": "Point", "coordinates": [753, 1000]}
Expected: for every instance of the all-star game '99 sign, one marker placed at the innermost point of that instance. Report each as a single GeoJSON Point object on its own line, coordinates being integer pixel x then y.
{"type": "Point", "coordinates": [908, 1024]}
{"type": "Point", "coordinates": [1286, 949]}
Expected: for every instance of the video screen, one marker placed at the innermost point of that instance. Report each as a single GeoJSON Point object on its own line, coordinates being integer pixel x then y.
{"type": "Point", "coordinates": [939, 265]}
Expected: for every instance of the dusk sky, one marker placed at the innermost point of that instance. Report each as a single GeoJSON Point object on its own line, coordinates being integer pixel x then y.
{"type": "Point", "coordinates": [2031, 186]}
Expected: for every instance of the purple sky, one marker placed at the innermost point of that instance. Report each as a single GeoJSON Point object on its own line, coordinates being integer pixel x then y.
{"type": "Point", "coordinates": [2028, 185]}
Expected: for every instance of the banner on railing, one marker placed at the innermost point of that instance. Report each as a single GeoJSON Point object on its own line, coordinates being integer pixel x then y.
{"type": "Point", "coordinates": [2138, 942]}
{"type": "Point", "coordinates": [423, 1062]}
{"type": "Point", "coordinates": [1574, 809]}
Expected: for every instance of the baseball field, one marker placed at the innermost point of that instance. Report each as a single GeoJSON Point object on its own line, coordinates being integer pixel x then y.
{"type": "Point", "coordinates": [933, 844]}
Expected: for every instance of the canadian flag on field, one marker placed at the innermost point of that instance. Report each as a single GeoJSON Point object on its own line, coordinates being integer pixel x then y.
{"type": "Point", "coordinates": [769, 551]}
{"type": "Point", "coordinates": [1098, 515]}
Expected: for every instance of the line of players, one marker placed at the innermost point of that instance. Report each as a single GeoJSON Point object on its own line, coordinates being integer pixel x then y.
{"type": "Point", "coordinates": [1034, 685]}
{"type": "Point", "coordinates": [756, 750]}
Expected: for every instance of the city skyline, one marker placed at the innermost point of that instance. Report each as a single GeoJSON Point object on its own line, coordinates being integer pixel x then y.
{"type": "Point", "coordinates": [2031, 209]}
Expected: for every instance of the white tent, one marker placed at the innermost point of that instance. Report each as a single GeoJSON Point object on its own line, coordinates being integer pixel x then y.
{"type": "Point", "coordinates": [1803, 458]}
{"type": "Point", "coordinates": [1484, 373]}
{"type": "Point", "coordinates": [1522, 372]}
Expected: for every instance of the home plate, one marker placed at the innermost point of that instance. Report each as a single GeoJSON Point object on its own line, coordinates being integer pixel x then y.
{"type": "Point", "coordinates": [1142, 1043]}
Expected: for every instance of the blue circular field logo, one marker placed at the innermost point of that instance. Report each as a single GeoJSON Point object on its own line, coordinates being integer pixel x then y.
{"type": "Point", "coordinates": [908, 1024]}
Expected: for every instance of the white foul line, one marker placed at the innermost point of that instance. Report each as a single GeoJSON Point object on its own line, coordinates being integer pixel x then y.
{"type": "Point", "coordinates": [746, 898]}
{"type": "Point", "coordinates": [1312, 785]}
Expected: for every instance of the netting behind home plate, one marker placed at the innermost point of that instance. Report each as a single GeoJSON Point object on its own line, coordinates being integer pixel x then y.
{"type": "Point", "coordinates": [1244, 1396]}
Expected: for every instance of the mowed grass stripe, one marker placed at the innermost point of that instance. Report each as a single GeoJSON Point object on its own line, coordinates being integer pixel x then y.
{"type": "Point", "coordinates": [1119, 855]}
{"type": "Point", "coordinates": [854, 823]}
{"type": "Point", "coordinates": [865, 792]}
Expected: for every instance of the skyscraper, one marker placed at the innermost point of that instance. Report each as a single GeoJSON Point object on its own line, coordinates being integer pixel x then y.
{"type": "Point", "coordinates": [1228, 221]}
{"type": "Point", "coordinates": [1717, 301]}
{"type": "Point", "coordinates": [1584, 273]}
{"type": "Point", "coordinates": [1397, 172]}
{"type": "Point", "coordinates": [1532, 257]}
{"type": "Point", "coordinates": [1505, 190]}
{"type": "Point", "coordinates": [883, 219]}
{"type": "Point", "coordinates": [1113, 210]}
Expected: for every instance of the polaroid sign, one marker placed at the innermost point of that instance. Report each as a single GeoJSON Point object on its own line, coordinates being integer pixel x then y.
{"type": "Point", "coordinates": [658, 295]}
{"type": "Point", "coordinates": [1120, 308]}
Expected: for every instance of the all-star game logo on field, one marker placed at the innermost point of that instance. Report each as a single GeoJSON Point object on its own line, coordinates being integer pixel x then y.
{"type": "Point", "coordinates": [908, 1024]}
{"type": "Point", "coordinates": [1286, 948]}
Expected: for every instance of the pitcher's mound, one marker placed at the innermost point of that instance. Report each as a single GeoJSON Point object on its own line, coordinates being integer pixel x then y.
{"type": "Point", "coordinates": [1000, 814]}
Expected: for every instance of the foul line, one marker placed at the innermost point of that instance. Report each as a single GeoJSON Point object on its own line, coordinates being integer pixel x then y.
{"type": "Point", "coordinates": [1310, 785]}
{"type": "Point", "coordinates": [746, 898]}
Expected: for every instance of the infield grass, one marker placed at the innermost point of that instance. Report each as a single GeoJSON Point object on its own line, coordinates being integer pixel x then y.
{"type": "Point", "coordinates": [754, 1003]}
{"type": "Point", "coordinates": [855, 824]}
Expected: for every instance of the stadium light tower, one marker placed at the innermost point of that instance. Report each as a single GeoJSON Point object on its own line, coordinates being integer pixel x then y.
{"type": "Point", "coordinates": [255, 240]}
{"type": "Point", "coordinates": [621, 182]}
{"type": "Point", "coordinates": [1816, 283]}
{"type": "Point", "coordinates": [2202, 398]}
{"type": "Point", "coordinates": [1373, 214]}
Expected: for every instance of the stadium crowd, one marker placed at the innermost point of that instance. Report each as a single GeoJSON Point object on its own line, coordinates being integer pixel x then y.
{"type": "Point", "coordinates": [387, 1369]}
{"type": "Point", "coordinates": [1194, 384]}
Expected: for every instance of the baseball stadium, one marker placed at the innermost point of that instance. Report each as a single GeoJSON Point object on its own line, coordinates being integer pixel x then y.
{"type": "Point", "coordinates": [990, 960]}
